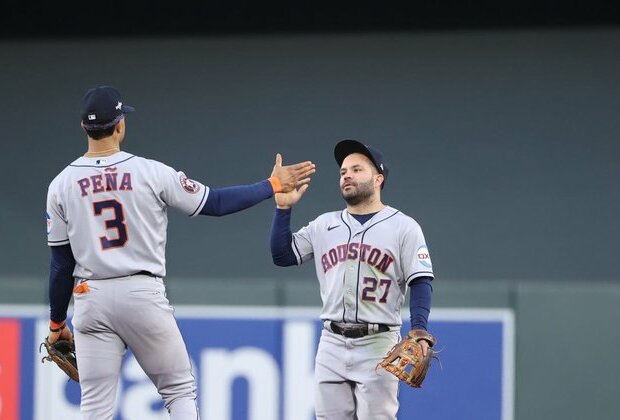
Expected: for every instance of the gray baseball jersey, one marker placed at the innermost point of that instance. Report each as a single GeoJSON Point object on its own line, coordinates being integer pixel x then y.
{"type": "Point", "coordinates": [364, 270]}
{"type": "Point", "coordinates": [113, 211]}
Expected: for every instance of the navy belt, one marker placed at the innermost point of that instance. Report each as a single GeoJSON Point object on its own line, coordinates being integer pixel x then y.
{"type": "Point", "coordinates": [144, 273]}
{"type": "Point", "coordinates": [356, 330]}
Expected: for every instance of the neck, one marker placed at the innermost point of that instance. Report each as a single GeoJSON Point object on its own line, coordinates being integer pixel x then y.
{"type": "Point", "coordinates": [104, 147]}
{"type": "Point", "coordinates": [367, 207]}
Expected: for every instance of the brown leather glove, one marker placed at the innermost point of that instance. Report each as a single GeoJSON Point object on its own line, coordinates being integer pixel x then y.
{"type": "Point", "coordinates": [62, 352]}
{"type": "Point", "coordinates": [406, 360]}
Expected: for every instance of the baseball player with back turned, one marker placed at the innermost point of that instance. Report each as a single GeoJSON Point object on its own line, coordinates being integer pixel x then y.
{"type": "Point", "coordinates": [365, 258]}
{"type": "Point", "coordinates": [107, 220]}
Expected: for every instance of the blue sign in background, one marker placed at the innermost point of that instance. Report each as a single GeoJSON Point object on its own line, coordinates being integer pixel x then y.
{"type": "Point", "coordinates": [468, 382]}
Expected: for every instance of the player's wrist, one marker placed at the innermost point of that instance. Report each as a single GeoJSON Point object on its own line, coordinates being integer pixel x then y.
{"type": "Point", "coordinates": [276, 184]}
{"type": "Point", "coordinates": [57, 326]}
{"type": "Point", "coordinates": [419, 335]}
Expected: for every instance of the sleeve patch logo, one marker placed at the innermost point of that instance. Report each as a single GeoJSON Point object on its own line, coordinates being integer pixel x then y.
{"type": "Point", "coordinates": [189, 185]}
{"type": "Point", "coordinates": [423, 257]}
{"type": "Point", "coordinates": [48, 219]}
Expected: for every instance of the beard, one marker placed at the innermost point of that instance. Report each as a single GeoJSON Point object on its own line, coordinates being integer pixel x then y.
{"type": "Point", "coordinates": [360, 192]}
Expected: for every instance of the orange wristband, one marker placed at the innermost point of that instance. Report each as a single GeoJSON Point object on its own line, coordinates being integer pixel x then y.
{"type": "Point", "coordinates": [57, 326]}
{"type": "Point", "coordinates": [275, 184]}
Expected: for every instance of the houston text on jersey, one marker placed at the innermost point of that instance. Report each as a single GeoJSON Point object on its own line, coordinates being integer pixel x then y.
{"type": "Point", "coordinates": [365, 253]}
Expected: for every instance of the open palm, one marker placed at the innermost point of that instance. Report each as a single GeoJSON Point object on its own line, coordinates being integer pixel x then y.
{"type": "Point", "coordinates": [289, 199]}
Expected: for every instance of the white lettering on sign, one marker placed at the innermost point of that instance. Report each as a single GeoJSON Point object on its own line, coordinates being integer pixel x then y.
{"type": "Point", "coordinates": [299, 345]}
{"type": "Point", "coordinates": [270, 387]}
{"type": "Point", "coordinates": [221, 367]}
{"type": "Point", "coordinates": [138, 400]}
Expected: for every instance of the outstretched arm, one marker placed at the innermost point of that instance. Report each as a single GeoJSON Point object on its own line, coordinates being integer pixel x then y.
{"type": "Point", "coordinates": [223, 201]}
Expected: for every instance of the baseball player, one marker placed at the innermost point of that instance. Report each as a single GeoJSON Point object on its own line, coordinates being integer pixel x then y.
{"type": "Point", "coordinates": [107, 220]}
{"type": "Point", "coordinates": [365, 258]}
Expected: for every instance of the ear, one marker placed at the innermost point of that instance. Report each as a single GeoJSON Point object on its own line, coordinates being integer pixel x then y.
{"type": "Point", "coordinates": [120, 126]}
{"type": "Point", "coordinates": [379, 180]}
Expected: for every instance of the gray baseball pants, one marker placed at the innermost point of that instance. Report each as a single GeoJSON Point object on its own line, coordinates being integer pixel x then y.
{"type": "Point", "coordinates": [130, 312]}
{"type": "Point", "coordinates": [349, 386]}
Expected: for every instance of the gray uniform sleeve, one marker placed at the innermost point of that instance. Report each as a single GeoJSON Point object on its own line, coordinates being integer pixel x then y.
{"type": "Point", "coordinates": [180, 192]}
{"type": "Point", "coordinates": [416, 260]}
{"type": "Point", "coordinates": [55, 217]}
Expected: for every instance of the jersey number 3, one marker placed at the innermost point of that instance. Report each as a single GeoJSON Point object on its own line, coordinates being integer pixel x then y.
{"type": "Point", "coordinates": [116, 222]}
{"type": "Point", "coordinates": [370, 288]}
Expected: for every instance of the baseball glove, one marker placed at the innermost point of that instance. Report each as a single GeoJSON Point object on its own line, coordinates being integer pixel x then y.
{"type": "Point", "coordinates": [62, 352]}
{"type": "Point", "coordinates": [405, 360]}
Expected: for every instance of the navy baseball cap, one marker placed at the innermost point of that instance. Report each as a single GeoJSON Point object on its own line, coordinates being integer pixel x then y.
{"type": "Point", "coordinates": [102, 108]}
{"type": "Point", "coordinates": [347, 147]}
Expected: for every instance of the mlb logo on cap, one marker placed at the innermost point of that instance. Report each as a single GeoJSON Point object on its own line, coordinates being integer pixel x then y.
{"type": "Point", "coordinates": [102, 108]}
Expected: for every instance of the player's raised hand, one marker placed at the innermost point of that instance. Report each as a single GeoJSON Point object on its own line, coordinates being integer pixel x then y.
{"type": "Point", "coordinates": [289, 199]}
{"type": "Point", "coordinates": [292, 177]}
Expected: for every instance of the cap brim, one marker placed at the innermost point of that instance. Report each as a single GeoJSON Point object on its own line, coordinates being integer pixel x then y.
{"type": "Point", "coordinates": [347, 147]}
{"type": "Point", "coordinates": [126, 108]}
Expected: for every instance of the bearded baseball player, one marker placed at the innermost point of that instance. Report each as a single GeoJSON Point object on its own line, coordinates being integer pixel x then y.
{"type": "Point", "coordinates": [365, 258]}
{"type": "Point", "coordinates": [107, 221]}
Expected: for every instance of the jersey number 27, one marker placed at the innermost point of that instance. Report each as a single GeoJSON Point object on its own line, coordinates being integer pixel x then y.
{"type": "Point", "coordinates": [370, 288]}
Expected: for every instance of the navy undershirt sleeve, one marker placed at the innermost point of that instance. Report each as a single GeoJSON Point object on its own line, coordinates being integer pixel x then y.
{"type": "Point", "coordinates": [281, 239]}
{"type": "Point", "coordinates": [223, 201]}
{"type": "Point", "coordinates": [60, 281]}
{"type": "Point", "coordinates": [421, 290]}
